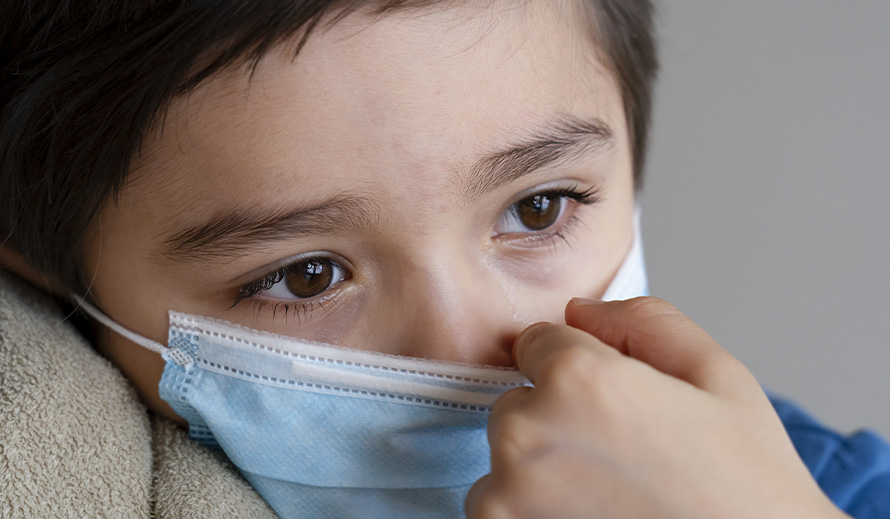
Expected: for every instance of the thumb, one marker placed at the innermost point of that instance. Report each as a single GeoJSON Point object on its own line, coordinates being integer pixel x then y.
{"type": "Point", "coordinates": [656, 332]}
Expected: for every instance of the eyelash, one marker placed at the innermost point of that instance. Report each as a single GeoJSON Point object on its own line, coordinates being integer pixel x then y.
{"type": "Point", "coordinates": [587, 197]}
{"type": "Point", "coordinates": [547, 236]}
{"type": "Point", "coordinates": [299, 308]}
{"type": "Point", "coordinates": [302, 308]}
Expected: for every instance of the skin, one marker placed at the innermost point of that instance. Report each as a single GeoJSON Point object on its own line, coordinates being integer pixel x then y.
{"type": "Point", "coordinates": [402, 128]}
{"type": "Point", "coordinates": [635, 411]}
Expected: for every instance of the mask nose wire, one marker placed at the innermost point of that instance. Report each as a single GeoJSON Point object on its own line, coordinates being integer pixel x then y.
{"type": "Point", "coordinates": [96, 314]}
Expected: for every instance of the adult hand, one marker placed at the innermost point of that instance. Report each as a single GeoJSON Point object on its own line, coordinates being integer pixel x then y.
{"type": "Point", "coordinates": [636, 412]}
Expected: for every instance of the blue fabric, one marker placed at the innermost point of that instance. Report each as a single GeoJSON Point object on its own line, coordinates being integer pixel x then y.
{"type": "Point", "coordinates": [321, 431]}
{"type": "Point", "coordinates": [854, 471]}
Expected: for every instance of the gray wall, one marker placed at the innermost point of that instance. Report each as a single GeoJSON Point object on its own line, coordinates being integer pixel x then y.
{"type": "Point", "coordinates": [766, 213]}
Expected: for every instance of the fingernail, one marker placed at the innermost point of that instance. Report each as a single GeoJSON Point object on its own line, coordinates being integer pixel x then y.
{"type": "Point", "coordinates": [583, 301]}
{"type": "Point", "coordinates": [536, 325]}
{"type": "Point", "coordinates": [530, 331]}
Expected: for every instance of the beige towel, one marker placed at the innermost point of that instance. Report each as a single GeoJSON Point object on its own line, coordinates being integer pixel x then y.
{"type": "Point", "coordinates": [76, 442]}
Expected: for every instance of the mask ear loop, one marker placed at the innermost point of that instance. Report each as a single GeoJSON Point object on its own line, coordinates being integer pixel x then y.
{"type": "Point", "coordinates": [628, 279]}
{"type": "Point", "coordinates": [95, 313]}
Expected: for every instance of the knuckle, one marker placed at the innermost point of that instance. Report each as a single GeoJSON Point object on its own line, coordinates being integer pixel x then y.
{"type": "Point", "coordinates": [573, 366]}
{"type": "Point", "coordinates": [594, 381]}
{"type": "Point", "coordinates": [507, 406]}
{"type": "Point", "coordinates": [645, 308]}
{"type": "Point", "coordinates": [492, 505]}
{"type": "Point", "coordinates": [516, 493]}
{"type": "Point", "coordinates": [514, 435]}
{"type": "Point", "coordinates": [732, 371]}
{"type": "Point", "coordinates": [511, 399]}
{"type": "Point", "coordinates": [654, 317]}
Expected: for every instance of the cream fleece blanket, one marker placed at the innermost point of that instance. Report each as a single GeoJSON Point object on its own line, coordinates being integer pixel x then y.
{"type": "Point", "coordinates": [76, 442]}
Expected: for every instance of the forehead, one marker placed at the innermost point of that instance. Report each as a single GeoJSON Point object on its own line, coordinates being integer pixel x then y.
{"type": "Point", "coordinates": [402, 101]}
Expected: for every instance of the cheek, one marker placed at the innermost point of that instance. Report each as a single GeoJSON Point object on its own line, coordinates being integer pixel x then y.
{"type": "Point", "coordinates": [545, 298]}
{"type": "Point", "coordinates": [584, 262]}
{"type": "Point", "coordinates": [539, 291]}
{"type": "Point", "coordinates": [542, 286]}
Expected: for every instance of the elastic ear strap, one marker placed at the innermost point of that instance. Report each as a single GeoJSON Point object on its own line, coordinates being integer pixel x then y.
{"type": "Point", "coordinates": [630, 280]}
{"type": "Point", "coordinates": [96, 314]}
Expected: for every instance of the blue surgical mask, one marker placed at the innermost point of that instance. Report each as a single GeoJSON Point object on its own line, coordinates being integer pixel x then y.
{"type": "Point", "coordinates": [324, 431]}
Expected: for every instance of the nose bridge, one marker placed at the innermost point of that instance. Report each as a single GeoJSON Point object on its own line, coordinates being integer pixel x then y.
{"type": "Point", "coordinates": [458, 310]}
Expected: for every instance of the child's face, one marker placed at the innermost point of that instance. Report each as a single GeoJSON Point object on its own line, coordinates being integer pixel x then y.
{"type": "Point", "coordinates": [394, 165]}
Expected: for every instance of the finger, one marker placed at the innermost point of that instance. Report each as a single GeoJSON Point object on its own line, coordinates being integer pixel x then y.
{"type": "Point", "coordinates": [509, 427]}
{"type": "Point", "coordinates": [473, 505]}
{"type": "Point", "coordinates": [657, 333]}
{"type": "Point", "coordinates": [545, 347]}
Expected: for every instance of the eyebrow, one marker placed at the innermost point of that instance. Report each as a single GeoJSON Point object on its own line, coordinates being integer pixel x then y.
{"type": "Point", "coordinates": [239, 231]}
{"type": "Point", "coordinates": [566, 139]}
{"type": "Point", "coordinates": [235, 232]}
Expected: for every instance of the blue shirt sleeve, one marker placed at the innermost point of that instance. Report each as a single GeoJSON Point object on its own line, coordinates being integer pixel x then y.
{"type": "Point", "coordinates": [853, 471]}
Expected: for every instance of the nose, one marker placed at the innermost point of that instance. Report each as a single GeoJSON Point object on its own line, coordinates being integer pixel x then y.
{"type": "Point", "coordinates": [457, 311]}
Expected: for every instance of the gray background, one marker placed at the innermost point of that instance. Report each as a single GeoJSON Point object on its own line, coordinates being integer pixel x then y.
{"type": "Point", "coordinates": [765, 212]}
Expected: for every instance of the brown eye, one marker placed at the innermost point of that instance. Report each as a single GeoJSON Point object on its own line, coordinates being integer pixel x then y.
{"type": "Point", "coordinates": [310, 277]}
{"type": "Point", "coordinates": [539, 212]}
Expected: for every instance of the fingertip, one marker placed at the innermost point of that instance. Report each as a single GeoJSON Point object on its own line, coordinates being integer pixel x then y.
{"type": "Point", "coordinates": [471, 503]}
{"type": "Point", "coordinates": [527, 336]}
{"type": "Point", "coordinates": [581, 306]}
{"type": "Point", "coordinates": [533, 330]}
{"type": "Point", "coordinates": [585, 301]}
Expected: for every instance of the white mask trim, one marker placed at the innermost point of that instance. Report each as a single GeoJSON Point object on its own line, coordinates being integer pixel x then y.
{"type": "Point", "coordinates": [631, 277]}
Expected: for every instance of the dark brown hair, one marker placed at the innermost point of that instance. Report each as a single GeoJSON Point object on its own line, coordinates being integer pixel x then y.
{"type": "Point", "coordinates": [81, 83]}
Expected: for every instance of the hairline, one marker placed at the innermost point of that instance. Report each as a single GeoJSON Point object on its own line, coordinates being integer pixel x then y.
{"type": "Point", "coordinates": [52, 137]}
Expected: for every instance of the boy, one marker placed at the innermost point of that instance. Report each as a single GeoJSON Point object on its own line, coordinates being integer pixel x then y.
{"type": "Point", "coordinates": [422, 180]}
